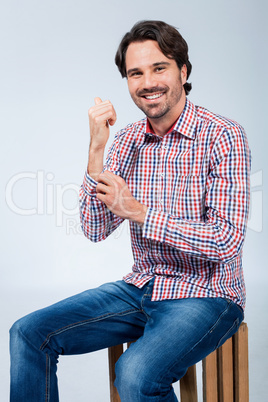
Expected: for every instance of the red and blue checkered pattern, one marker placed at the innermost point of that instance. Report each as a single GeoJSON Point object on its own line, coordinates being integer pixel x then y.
{"type": "Point", "coordinates": [195, 183]}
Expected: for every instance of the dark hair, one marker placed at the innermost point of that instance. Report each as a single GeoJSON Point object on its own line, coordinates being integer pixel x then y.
{"type": "Point", "coordinates": [168, 38]}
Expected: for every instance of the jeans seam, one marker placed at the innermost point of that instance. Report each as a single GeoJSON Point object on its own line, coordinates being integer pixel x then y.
{"type": "Point", "coordinates": [220, 317]}
{"type": "Point", "coordinates": [81, 323]}
{"type": "Point", "coordinates": [235, 323]}
{"type": "Point", "coordinates": [47, 378]}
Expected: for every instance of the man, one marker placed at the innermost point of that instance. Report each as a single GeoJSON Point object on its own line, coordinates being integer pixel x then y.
{"type": "Point", "coordinates": [181, 178]}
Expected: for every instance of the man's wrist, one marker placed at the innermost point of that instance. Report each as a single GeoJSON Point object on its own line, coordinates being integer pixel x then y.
{"type": "Point", "coordinates": [96, 149]}
{"type": "Point", "coordinates": [139, 215]}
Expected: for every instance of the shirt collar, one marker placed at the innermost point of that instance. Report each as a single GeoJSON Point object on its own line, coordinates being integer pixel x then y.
{"type": "Point", "coordinates": [185, 125]}
{"type": "Point", "coordinates": [149, 129]}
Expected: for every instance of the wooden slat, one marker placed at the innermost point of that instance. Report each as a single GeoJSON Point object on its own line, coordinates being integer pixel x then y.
{"type": "Point", "coordinates": [188, 386]}
{"type": "Point", "coordinates": [241, 378]}
{"type": "Point", "coordinates": [114, 353]}
{"type": "Point", "coordinates": [225, 372]}
{"type": "Point", "coordinates": [210, 385]}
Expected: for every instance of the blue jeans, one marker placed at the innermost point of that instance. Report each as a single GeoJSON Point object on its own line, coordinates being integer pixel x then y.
{"type": "Point", "coordinates": [172, 335]}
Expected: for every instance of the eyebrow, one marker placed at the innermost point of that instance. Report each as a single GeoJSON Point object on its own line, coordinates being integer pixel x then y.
{"type": "Point", "coordinates": [160, 63]}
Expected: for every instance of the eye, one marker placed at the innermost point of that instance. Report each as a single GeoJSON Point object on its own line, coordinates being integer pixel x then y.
{"type": "Point", "coordinates": [135, 74]}
{"type": "Point", "coordinates": [159, 69]}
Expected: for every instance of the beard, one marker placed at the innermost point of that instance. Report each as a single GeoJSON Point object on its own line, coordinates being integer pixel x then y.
{"type": "Point", "coordinates": [156, 111]}
{"type": "Point", "coordinates": [166, 102]}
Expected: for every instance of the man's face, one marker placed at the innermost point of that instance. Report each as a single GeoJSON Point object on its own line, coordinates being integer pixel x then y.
{"type": "Point", "coordinates": [155, 82]}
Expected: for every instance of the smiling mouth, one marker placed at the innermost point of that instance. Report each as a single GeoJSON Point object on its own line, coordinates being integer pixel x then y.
{"type": "Point", "coordinates": [154, 96]}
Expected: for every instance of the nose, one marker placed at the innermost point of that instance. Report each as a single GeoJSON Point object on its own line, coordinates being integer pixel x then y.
{"type": "Point", "coordinates": [149, 80]}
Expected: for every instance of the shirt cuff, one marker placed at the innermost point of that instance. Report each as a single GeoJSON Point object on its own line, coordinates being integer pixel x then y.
{"type": "Point", "coordinates": [155, 225]}
{"type": "Point", "coordinates": [89, 185]}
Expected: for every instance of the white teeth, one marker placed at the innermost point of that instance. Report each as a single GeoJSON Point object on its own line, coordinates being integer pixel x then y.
{"type": "Point", "coordinates": [153, 96]}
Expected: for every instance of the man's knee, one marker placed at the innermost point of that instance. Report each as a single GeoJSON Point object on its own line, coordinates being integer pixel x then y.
{"type": "Point", "coordinates": [25, 331]}
{"type": "Point", "coordinates": [18, 341]}
{"type": "Point", "coordinates": [129, 377]}
{"type": "Point", "coordinates": [17, 327]}
{"type": "Point", "coordinates": [122, 371]}
{"type": "Point", "coordinates": [137, 380]}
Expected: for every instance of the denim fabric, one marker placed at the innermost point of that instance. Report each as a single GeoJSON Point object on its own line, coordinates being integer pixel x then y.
{"type": "Point", "coordinates": [172, 335]}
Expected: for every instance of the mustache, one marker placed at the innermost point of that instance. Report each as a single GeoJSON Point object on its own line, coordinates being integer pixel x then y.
{"type": "Point", "coordinates": [149, 91]}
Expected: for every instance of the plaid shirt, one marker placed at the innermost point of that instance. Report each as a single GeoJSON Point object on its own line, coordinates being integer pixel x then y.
{"type": "Point", "coordinates": [195, 182]}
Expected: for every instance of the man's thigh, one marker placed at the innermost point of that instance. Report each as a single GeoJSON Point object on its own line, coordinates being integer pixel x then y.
{"type": "Point", "coordinates": [179, 333]}
{"type": "Point", "coordinates": [89, 321]}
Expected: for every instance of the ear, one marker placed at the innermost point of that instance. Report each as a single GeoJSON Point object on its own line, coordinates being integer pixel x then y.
{"type": "Point", "coordinates": [183, 74]}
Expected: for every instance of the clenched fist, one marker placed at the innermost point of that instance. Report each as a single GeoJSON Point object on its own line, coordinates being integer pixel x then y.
{"type": "Point", "coordinates": [101, 116]}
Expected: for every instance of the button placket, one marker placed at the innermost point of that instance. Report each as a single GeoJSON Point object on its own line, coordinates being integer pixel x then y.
{"type": "Point", "coordinates": [161, 174]}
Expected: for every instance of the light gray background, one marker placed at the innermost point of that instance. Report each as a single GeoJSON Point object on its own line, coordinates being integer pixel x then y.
{"type": "Point", "coordinates": [56, 56]}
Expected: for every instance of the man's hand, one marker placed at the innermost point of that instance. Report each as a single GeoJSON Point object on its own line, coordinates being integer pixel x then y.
{"type": "Point", "coordinates": [101, 116]}
{"type": "Point", "coordinates": [114, 192]}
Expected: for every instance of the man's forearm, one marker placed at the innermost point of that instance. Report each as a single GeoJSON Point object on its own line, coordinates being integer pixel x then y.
{"type": "Point", "coordinates": [95, 162]}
